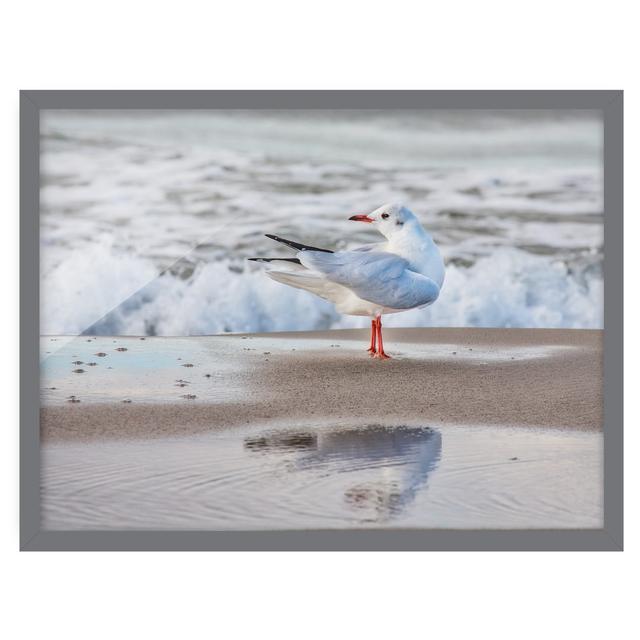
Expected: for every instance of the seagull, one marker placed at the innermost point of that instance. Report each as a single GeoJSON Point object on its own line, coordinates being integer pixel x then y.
{"type": "Point", "coordinates": [405, 272]}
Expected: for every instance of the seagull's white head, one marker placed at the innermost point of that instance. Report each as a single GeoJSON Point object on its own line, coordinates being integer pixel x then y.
{"type": "Point", "coordinates": [389, 219]}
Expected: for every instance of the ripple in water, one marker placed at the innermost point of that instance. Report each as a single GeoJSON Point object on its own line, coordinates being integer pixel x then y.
{"type": "Point", "coordinates": [328, 477]}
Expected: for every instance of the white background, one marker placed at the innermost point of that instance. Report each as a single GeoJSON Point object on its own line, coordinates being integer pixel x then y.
{"type": "Point", "coordinates": [295, 45]}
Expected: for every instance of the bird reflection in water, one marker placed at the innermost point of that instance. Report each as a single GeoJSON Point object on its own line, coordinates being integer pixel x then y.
{"type": "Point", "coordinates": [387, 466]}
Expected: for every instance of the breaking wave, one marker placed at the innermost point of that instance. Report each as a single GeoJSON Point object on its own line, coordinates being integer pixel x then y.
{"type": "Point", "coordinates": [507, 289]}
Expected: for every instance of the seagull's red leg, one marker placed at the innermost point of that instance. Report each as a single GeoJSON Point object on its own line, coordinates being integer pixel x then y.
{"type": "Point", "coordinates": [380, 353]}
{"type": "Point", "coordinates": [372, 348]}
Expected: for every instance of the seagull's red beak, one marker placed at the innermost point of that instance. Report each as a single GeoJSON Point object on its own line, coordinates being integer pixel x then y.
{"type": "Point", "coordinates": [361, 218]}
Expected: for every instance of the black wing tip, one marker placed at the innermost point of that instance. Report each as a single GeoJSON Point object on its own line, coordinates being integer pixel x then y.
{"type": "Point", "coordinates": [294, 260]}
{"type": "Point", "coordinates": [298, 246]}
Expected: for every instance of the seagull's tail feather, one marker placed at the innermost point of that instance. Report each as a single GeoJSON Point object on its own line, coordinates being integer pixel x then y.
{"type": "Point", "coordinates": [297, 245]}
{"type": "Point", "coordinates": [292, 260]}
{"type": "Point", "coordinates": [299, 280]}
{"type": "Point", "coordinates": [309, 281]}
{"type": "Point", "coordinates": [292, 278]}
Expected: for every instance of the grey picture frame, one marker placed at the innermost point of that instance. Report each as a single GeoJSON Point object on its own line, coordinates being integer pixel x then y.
{"type": "Point", "coordinates": [609, 538]}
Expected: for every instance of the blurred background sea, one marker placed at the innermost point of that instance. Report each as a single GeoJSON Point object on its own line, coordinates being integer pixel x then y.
{"type": "Point", "coordinates": [147, 217]}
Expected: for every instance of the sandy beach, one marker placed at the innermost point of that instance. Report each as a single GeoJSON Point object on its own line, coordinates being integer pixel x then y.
{"type": "Point", "coordinates": [545, 378]}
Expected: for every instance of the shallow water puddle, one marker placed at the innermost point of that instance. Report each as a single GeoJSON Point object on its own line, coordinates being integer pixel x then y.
{"type": "Point", "coordinates": [328, 477]}
{"type": "Point", "coordinates": [145, 369]}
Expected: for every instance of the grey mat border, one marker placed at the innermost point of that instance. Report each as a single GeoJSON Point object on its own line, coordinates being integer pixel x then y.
{"type": "Point", "coordinates": [610, 538]}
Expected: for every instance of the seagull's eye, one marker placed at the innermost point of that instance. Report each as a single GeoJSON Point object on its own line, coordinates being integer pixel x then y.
{"type": "Point", "coordinates": [385, 216]}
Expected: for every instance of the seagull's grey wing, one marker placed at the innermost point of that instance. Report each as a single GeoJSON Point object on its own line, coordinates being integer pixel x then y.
{"type": "Point", "coordinates": [382, 278]}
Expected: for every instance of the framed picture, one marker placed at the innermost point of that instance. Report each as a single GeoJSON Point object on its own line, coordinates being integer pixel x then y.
{"type": "Point", "coordinates": [332, 320]}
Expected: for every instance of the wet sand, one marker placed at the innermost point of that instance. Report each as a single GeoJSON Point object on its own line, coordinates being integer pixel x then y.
{"type": "Point", "coordinates": [142, 388]}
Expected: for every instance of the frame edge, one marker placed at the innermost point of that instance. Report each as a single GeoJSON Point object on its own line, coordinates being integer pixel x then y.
{"type": "Point", "coordinates": [610, 538]}
{"type": "Point", "coordinates": [29, 319]}
{"type": "Point", "coordinates": [613, 427]}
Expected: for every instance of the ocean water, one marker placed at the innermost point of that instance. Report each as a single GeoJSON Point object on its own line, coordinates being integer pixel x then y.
{"type": "Point", "coordinates": [147, 218]}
